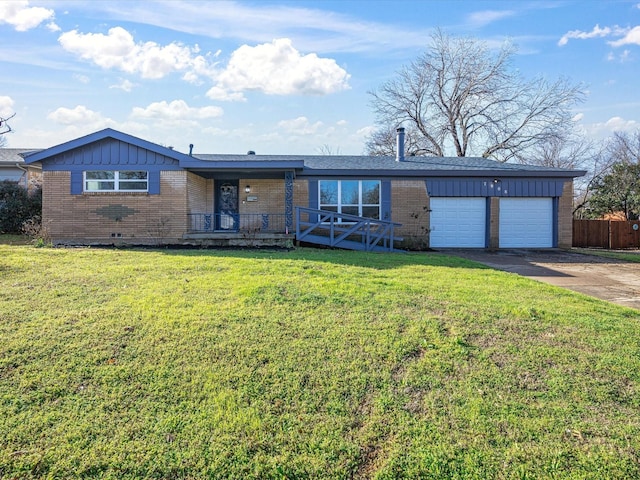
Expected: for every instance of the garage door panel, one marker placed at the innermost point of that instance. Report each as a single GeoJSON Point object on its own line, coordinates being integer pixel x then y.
{"type": "Point", "coordinates": [526, 222]}
{"type": "Point", "coordinates": [458, 222]}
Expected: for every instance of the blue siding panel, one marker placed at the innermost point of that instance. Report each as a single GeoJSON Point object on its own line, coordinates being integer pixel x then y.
{"type": "Point", "coordinates": [314, 198]}
{"type": "Point", "coordinates": [76, 182]}
{"type": "Point", "coordinates": [485, 187]}
{"type": "Point", "coordinates": [556, 203]}
{"type": "Point", "coordinates": [487, 228]}
{"type": "Point", "coordinates": [313, 194]}
{"type": "Point", "coordinates": [154, 182]}
{"type": "Point", "coordinates": [385, 199]}
{"type": "Point", "coordinates": [110, 154]}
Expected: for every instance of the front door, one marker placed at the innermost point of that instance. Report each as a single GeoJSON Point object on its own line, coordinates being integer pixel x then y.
{"type": "Point", "coordinates": [227, 205]}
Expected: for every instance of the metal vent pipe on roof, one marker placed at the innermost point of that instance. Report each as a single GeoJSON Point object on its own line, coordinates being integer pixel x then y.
{"type": "Point", "coordinates": [400, 145]}
{"type": "Point", "coordinates": [191, 149]}
{"type": "Point", "coordinates": [251, 152]}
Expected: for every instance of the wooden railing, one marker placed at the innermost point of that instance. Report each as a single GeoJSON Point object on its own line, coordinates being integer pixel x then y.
{"type": "Point", "coordinates": [345, 231]}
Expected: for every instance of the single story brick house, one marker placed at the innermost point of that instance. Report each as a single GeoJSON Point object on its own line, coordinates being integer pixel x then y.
{"type": "Point", "coordinates": [113, 188]}
{"type": "Point", "coordinates": [14, 169]}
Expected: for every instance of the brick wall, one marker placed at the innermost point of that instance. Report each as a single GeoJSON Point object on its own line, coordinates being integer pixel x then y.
{"type": "Point", "coordinates": [409, 206]}
{"type": "Point", "coordinates": [494, 223]}
{"type": "Point", "coordinates": [565, 216]}
{"type": "Point", "coordinates": [270, 194]}
{"type": "Point", "coordinates": [120, 218]}
{"type": "Point", "coordinates": [199, 194]}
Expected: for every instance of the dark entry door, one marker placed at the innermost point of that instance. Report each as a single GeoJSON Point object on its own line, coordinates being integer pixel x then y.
{"type": "Point", "coordinates": [227, 205]}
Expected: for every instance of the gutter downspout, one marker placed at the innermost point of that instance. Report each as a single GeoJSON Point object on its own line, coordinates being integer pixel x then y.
{"type": "Point", "coordinates": [24, 176]}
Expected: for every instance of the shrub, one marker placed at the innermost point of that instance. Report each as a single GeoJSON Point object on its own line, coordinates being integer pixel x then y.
{"type": "Point", "coordinates": [37, 231]}
{"type": "Point", "coordinates": [18, 206]}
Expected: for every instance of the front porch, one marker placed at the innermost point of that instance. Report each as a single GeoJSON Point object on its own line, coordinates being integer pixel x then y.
{"type": "Point", "coordinates": [238, 230]}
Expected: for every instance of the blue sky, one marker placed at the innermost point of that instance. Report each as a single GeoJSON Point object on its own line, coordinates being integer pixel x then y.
{"type": "Point", "coordinates": [282, 77]}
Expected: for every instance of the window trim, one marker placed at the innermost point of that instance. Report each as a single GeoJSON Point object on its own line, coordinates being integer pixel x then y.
{"type": "Point", "coordinates": [117, 182]}
{"type": "Point", "coordinates": [360, 204]}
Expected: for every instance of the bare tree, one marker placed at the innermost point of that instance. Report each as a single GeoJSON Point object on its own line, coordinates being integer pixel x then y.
{"type": "Point", "coordinates": [327, 149]}
{"type": "Point", "coordinates": [460, 99]}
{"type": "Point", "coordinates": [5, 128]}
{"type": "Point", "coordinates": [566, 150]}
{"type": "Point", "coordinates": [624, 147]}
{"type": "Point", "coordinates": [620, 148]}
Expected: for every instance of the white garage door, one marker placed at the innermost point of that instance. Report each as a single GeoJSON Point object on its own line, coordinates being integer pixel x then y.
{"type": "Point", "coordinates": [458, 222]}
{"type": "Point", "coordinates": [526, 222]}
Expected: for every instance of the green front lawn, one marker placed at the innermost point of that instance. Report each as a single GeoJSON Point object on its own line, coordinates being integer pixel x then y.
{"type": "Point", "coordinates": [625, 256]}
{"type": "Point", "coordinates": [307, 364]}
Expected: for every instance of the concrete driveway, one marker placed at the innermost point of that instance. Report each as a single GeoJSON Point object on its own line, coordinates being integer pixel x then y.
{"type": "Point", "coordinates": [609, 279]}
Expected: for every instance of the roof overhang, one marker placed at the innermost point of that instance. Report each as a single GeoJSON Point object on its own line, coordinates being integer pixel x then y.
{"type": "Point", "coordinates": [230, 169]}
{"type": "Point", "coordinates": [413, 174]}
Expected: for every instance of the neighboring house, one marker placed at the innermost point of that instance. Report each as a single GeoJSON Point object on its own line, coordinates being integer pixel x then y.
{"type": "Point", "coordinates": [14, 169]}
{"type": "Point", "coordinates": [114, 188]}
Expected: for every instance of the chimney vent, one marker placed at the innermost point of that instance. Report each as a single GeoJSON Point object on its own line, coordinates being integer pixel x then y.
{"type": "Point", "coordinates": [191, 149]}
{"type": "Point", "coordinates": [251, 152]}
{"type": "Point", "coordinates": [400, 145]}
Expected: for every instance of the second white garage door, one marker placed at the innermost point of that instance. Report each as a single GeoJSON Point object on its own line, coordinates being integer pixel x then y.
{"type": "Point", "coordinates": [526, 223]}
{"type": "Point", "coordinates": [458, 222]}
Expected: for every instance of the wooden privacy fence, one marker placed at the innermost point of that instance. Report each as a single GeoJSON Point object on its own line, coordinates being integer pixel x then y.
{"type": "Point", "coordinates": [611, 234]}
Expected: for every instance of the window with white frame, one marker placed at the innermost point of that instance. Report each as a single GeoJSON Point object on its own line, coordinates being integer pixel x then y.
{"type": "Point", "coordinates": [116, 181]}
{"type": "Point", "coordinates": [352, 197]}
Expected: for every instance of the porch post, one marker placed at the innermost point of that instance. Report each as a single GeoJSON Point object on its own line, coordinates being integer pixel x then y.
{"type": "Point", "coordinates": [288, 201]}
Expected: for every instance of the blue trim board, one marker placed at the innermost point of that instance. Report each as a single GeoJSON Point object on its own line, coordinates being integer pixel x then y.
{"type": "Point", "coordinates": [554, 208]}
{"type": "Point", "coordinates": [487, 223]}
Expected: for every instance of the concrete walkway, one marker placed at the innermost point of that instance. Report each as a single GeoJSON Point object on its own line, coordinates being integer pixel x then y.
{"type": "Point", "coordinates": [608, 279]}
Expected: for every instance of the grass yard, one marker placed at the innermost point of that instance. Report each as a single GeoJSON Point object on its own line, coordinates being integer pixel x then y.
{"type": "Point", "coordinates": [128, 364]}
{"type": "Point", "coordinates": [624, 255]}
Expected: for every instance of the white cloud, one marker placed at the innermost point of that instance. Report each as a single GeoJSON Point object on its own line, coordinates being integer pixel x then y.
{"type": "Point", "coordinates": [6, 106]}
{"type": "Point", "coordinates": [125, 85]}
{"type": "Point", "coordinates": [81, 78]}
{"type": "Point", "coordinates": [577, 117]}
{"type": "Point", "coordinates": [118, 50]}
{"type": "Point", "coordinates": [21, 16]}
{"type": "Point", "coordinates": [597, 32]}
{"type": "Point", "coordinates": [176, 110]}
{"type": "Point", "coordinates": [223, 95]}
{"type": "Point", "coordinates": [486, 17]}
{"type": "Point", "coordinates": [299, 126]}
{"type": "Point", "coordinates": [614, 124]}
{"type": "Point", "coordinates": [277, 68]}
{"type": "Point", "coordinates": [317, 29]}
{"type": "Point", "coordinates": [623, 57]}
{"type": "Point", "coordinates": [631, 37]}
{"type": "Point", "coordinates": [80, 115]}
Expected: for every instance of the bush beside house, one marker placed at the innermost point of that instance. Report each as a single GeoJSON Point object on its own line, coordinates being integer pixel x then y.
{"type": "Point", "coordinates": [18, 206]}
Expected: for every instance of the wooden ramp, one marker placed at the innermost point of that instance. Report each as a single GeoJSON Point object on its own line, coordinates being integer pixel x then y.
{"type": "Point", "coordinates": [350, 232]}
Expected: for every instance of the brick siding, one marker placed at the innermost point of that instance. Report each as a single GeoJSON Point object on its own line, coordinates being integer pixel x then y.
{"type": "Point", "coordinates": [565, 216]}
{"type": "Point", "coordinates": [153, 219]}
{"type": "Point", "coordinates": [409, 206]}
